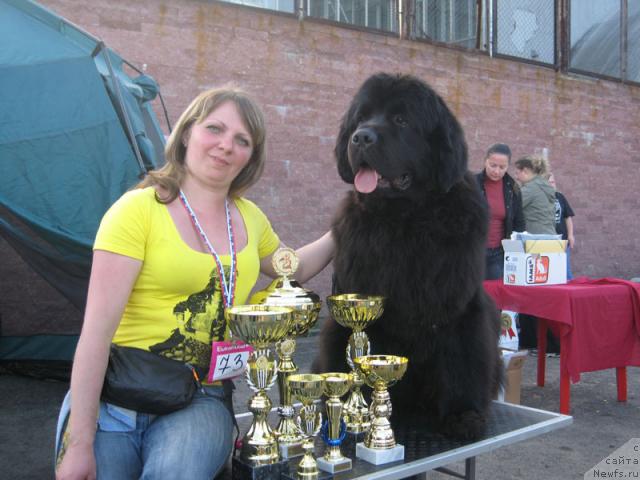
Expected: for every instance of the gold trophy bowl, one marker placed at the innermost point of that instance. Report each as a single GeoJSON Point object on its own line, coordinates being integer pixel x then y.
{"type": "Point", "coordinates": [356, 311]}
{"type": "Point", "coordinates": [381, 372]}
{"type": "Point", "coordinates": [307, 387]}
{"type": "Point", "coordinates": [259, 326]}
{"type": "Point", "coordinates": [333, 431]}
{"type": "Point", "coordinates": [336, 384]}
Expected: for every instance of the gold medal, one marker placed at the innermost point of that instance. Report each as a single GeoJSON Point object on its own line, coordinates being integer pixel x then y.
{"type": "Point", "coordinates": [288, 346]}
{"type": "Point", "coordinates": [285, 261]}
{"type": "Point", "coordinates": [262, 362]}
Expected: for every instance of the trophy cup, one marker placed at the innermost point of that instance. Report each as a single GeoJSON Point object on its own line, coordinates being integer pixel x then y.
{"type": "Point", "coordinates": [380, 372]}
{"type": "Point", "coordinates": [307, 387]}
{"type": "Point", "coordinates": [356, 312]}
{"type": "Point", "coordinates": [334, 429]}
{"type": "Point", "coordinates": [259, 325]}
{"type": "Point", "coordinates": [286, 292]}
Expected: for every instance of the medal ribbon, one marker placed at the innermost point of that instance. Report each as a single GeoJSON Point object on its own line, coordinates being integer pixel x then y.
{"type": "Point", "coordinates": [228, 287]}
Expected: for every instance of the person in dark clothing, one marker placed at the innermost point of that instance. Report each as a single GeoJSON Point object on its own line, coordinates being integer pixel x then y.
{"type": "Point", "coordinates": [505, 206]}
{"type": "Point", "coordinates": [564, 222]}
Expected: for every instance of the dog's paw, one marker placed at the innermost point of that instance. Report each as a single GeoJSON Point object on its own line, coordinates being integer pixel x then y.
{"type": "Point", "coordinates": [468, 425]}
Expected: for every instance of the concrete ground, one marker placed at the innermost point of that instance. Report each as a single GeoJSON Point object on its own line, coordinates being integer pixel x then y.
{"type": "Point", "coordinates": [28, 409]}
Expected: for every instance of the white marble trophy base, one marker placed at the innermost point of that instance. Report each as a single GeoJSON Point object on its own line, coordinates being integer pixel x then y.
{"type": "Point", "coordinates": [379, 456]}
{"type": "Point", "coordinates": [334, 467]}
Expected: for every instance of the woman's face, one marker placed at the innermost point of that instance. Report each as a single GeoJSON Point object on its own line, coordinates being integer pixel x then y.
{"type": "Point", "coordinates": [495, 166]}
{"type": "Point", "coordinates": [552, 181]}
{"type": "Point", "coordinates": [524, 175]}
{"type": "Point", "coordinates": [219, 147]}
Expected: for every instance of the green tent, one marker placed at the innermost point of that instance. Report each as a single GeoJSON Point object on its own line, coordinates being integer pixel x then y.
{"type": "Point", "coordinates": [76, 131]}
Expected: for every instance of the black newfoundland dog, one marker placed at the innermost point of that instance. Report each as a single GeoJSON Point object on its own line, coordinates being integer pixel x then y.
{"type": "Point", "coordinates": [414, 230]}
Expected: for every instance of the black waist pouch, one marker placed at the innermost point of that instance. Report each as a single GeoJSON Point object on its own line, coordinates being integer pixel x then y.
{"type": "Point", "coordinates": [145, 382]}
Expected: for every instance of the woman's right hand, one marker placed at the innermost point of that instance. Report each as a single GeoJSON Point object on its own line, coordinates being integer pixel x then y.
{"type": "Point", "coordinates": [78, 463]}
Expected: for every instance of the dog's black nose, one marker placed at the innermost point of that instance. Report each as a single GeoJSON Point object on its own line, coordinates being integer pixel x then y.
{"type": "Point", "coordinates": [364, 137]}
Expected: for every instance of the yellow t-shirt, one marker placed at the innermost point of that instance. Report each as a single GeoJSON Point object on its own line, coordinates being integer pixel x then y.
{"type": "Point", "coordinates": [176, 308]}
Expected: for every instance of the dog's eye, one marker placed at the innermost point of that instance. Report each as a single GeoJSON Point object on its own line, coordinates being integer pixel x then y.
{"type": "Point", "coordinates": [400, 120]}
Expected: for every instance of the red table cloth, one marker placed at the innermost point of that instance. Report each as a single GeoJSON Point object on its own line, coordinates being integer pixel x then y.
{"type": "Point", "coordinates": [598, 320]}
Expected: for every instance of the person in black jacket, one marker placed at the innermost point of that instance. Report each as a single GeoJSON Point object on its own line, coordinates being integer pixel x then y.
{"type": "Point", "coordinates": [505, 206]}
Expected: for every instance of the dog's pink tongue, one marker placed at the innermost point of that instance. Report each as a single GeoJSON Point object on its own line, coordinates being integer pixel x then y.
{"type": "Point", "coordinates": [366, 180]}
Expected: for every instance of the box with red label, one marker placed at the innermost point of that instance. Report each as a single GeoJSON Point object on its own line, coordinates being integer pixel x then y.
{"type": "Point", "coordinates": [534, 262]}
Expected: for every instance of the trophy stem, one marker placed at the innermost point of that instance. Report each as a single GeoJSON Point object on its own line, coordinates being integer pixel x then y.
{"type": "Point", "coordinates": [356, 410]}
{"type": "Point", "coordinates": [334, 416]}
{"type": "Point", "coordinates": [259, 445]}
{"type": "Point", "coordinates": [380, 436]}
{"type": "Point", "coordinates": [309, 423]}
{"type": "Point", "coordinates": [287, 432]}
{"type": "Point", "coordinates": [308, 467]}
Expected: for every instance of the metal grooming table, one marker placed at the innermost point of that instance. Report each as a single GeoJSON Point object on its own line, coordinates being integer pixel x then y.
{"type": "Point", "coordinates": [424, 450]}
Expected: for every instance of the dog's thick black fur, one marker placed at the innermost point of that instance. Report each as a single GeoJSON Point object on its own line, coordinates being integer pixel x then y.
{"type": "Point", "coordinates": [418, 238]}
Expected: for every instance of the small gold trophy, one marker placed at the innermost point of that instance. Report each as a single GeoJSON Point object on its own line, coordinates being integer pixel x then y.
{"type": "Point", "coordinates": [381, 372]}
{"type": "Point", "coordinates": [286, 292]}
{"type": "Point", "coordinates": [307, 387]}
{"type": "Point", "coordinates": [356, 312]}
{"type": "Point", "coordinates": [334, 429]}
{"type": "Point", "coordinates": [259, 326]}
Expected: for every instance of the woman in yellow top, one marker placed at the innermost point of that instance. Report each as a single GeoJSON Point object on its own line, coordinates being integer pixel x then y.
{"type": "Point", "coordinates": [168, 257]}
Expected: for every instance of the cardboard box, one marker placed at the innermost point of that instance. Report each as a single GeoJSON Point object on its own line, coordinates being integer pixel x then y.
{"type": "Point", "coordinates": [534, 262]}
{"type": "Point", "coordinates": [513, 363]}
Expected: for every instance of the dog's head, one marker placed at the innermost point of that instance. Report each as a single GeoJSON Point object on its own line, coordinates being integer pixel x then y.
{"type": "Point", "coordinates": [398, 138]}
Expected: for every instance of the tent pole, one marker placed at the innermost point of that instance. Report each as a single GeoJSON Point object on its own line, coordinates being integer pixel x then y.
{"type": "Point", "coordinates": [127, 121]}
{"type": "Point", "coordinates": [164, 108]}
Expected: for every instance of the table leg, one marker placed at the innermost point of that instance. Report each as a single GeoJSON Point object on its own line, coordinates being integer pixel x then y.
{"type": "Point", "coordinates": [469, 471]}
{"type": "Point", "coordinates": [470, 468]}
{"type": "Point", "coordinates": [565, 382]}
{"type": "Point", "coordinates": [621, 380]}
{"type": "Point", "coordinates": [542, 350]}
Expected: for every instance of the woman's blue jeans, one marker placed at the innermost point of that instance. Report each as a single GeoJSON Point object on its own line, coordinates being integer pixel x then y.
{"type": "Point", "coordinates": [494, 264]}
{"type": "Point", "coordinates": [193, 443]}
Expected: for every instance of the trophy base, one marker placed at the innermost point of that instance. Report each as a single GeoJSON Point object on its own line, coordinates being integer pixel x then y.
{"type": "Point", "coordinates": [296, 476]}
{"type": "Point", "coordinates": [379, 456]}
{"type": "Point", "coordinates": [341, 465]}
{"type": "Point", "coordinates": [244, 471]}
{"type": "Point", "coordinates": [290, 450]}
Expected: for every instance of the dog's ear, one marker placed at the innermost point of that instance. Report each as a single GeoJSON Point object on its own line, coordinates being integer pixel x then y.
{"type": "Point", "coordinates": [341, 150]}
{"type": "Point", "coordinates": [448, 148]}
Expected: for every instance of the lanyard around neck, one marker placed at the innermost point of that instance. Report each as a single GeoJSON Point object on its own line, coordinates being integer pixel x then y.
{"type": "Point", "coordinates": [228, 287]}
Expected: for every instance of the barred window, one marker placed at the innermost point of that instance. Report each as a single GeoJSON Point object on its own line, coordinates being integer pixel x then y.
{"type": "Point", "coordinates": [526, 29]}
{"type": "Point", "coordinates": [595, 36]}
{"type": "Point", "coordinates": [448, 21]}
{"type": "Point", "coordinates": [377, 14]}
{"type": "Point", "coordinates": [279, 5]}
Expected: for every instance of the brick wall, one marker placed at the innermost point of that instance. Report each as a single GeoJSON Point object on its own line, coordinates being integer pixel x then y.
{"type": "Point", "coordinates": [304, 73]}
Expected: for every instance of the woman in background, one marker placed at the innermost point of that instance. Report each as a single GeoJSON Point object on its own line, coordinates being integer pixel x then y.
{"type": "Point", "coordinates": [538, 206]}
{"type": "Point", "coordinates": [504, 201]}
{"type": "Point", "coordinates": [538, 196]}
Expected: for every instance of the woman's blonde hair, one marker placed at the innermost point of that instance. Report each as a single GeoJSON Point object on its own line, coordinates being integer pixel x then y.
{"type": "Point", "coordinates": [172, 173]}
{"type": "Point", "coordinates": [538, 165]}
